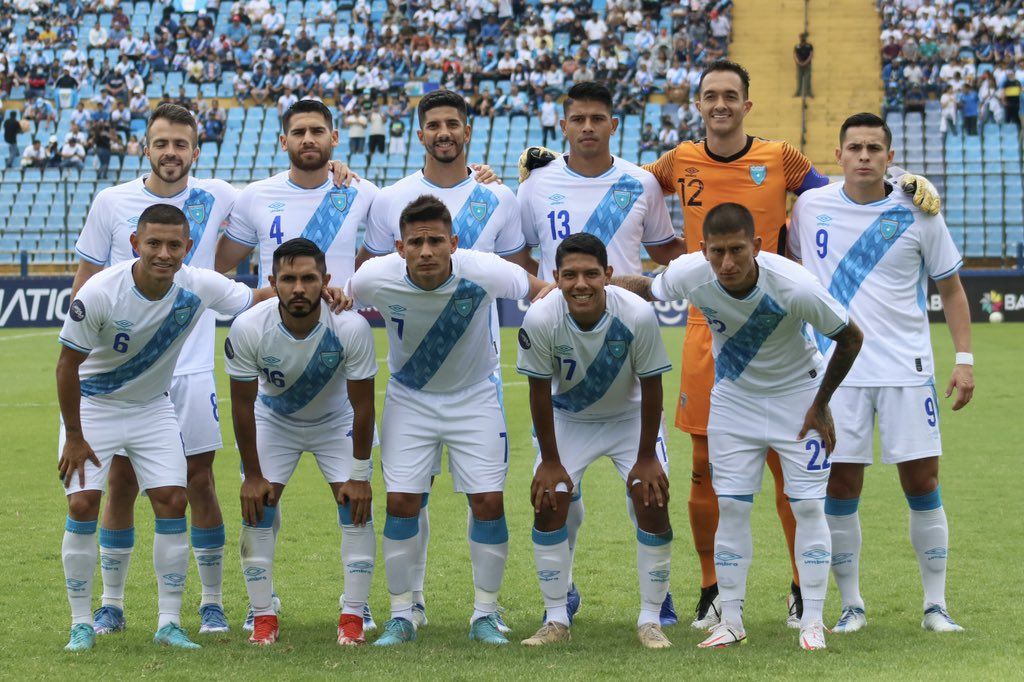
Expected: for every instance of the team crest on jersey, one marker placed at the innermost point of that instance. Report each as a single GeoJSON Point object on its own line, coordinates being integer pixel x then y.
{"type": "Point", "coordinates": [616, 347]}
{"type": "Point", "coordinates": [340, 200]}
{"type": "Point", "coordinates": [758, 174]}
{"type": "Point", "coordinates": [464, 306]}
{"type": "Point", "coordinates": [622, 198]}
{"type": "Point", "coordinates": [478, 209]}
{"type": "Point", "coordinates": [888, 227]}
{"type": "Point", "coordinates": [183, 315]}
{"type": "Point", "coordinates": [196, 212]}
{"type": "Point", "coordinates": [769, 319]}
{"type": "Point", "coordinates": [330, 358]}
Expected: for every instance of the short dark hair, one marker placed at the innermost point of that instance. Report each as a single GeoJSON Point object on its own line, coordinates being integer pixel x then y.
{"type": "Point", "coordinates": [729, 218]}
{"type": "Point", "coordinates": [175, 113]}
{"type": "Point", "coordinates": [588, 91]}
{"type": "Point", "coordinates": [581, 242]}
{"type": "Point", "coordinates": [425, 207]}
{"type": "Point", "coordinates": [163, 214]}
{"type": "Point", "coordinates": [441, 98]}
{"type": "Point", "coordinates": [865, 120]}
{"type": "Point", "coordinates": [298, 248]}
{"type": "Point", "coordinates": [726, 65]}
{"type": "Point", "coordinates": [307, 106]}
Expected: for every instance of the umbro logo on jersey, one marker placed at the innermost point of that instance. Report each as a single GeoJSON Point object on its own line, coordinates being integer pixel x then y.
{"type": "Point", "coordinates": [758, 174]}
{"type": "Point", "coordinates": [196, 211]}
{"type": "Point", "coordinates": [616, 347]}
{"type": "Point", "coordinates": [563, 350]}
{"type": "Point", "coordinates": [557, 199]}
{"type": "Point", "coordinates": [276, 207]}
{"type": "Point", "coordinates": [397, 309]}
{"type": "Point", "coordinates": [691, 170]}
{"type": "Point", "coordinates": [823, 219]}
{"type": "Point", "coordinates": [888, 227]}
{"type": "Point", "coordinates": [330, 358]}
{"type": "Point", "coordinates": [134, 220]}
{"type": "Point", "coordinates": [271, 361]}
{"type": "Point", "coordinates": [124, 325]}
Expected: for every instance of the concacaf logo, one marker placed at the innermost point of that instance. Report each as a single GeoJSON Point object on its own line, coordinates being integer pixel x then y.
{"type": "Point", "coordinates": [992, 302]}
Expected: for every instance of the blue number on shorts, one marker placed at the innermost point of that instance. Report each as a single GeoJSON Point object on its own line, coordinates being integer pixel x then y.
{"type": "Point", "coordinates": [275, 229]}
{"type": "Point", "coordinates": [821, 239]}
{"type": "Point", "coordinates": [929, 409]}
{"type": "Point", "coordinates": [275, 377]}
{"type": "Point", "coordinates": [559, 232]}
{"type": "Point", "coordinates": [571, 364]}
{"type": "Point", "coordinates": [399, 325]}
{"type": "Point", "coordinates": [818, 447]}
{"type": "Point", "coordinates": [664, 453]}
{"type": "Point", "coordinates": [504, 436]}
{"type": "Point", "coordinates": [121, 342]}
{"type": "Point", "coordinates": [213, 402]}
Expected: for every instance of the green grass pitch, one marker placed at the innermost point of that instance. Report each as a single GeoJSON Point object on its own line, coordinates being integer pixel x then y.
{"type": "Point", "coordinates": [981, 475]}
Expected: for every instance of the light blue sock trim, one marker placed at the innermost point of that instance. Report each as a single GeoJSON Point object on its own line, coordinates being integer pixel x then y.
{"type": "Point", "coordinates": [741, 498]}
{"type": "Point", "coordinates": [344, 515]}
{"type": "Point", "coordinates": [80, 527]}
{"type": "Point", "coordinates": [552, 537]}
{"type": "Point", "coordinates": [489, 532]}
{"type": "Point", "coordinates": [423, 502]}
{"type": "Point", "coordinates": [654, 539]}
{"type": "Point", "coordinates": [837, 507]}
{"type": "Point", "coordinates": [117, 539]}
{"type": "Point", "coordinates": [208, 538]}
{"type": "Point", "coordinates": [401, 527]}
{"type": "Point", "coordinates": [269, 514]}
{"type": "Point", "coordinates": [171, 526]}
{"type": "Point", "coordinates": [926, 502]}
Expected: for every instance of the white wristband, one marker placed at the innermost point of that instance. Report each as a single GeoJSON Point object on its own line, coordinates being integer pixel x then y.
{"type": "Point", "coordinates": [361, 469]}
{"type": "Point", "coordinates": [965, 359]}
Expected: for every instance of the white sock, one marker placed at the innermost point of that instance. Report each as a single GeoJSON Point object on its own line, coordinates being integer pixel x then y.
{"type": "Point", "coordinates": [170, 561]}
{"type": "Point", "coordinates": [844, 526]}
{"type": "Point", "coordinates": [208, 548]}
{"type": "Point", "coordinates": [551, 556]}
{"type": "Point", "coordinates": [78, 553]}
{"type": "Point", "coordinates": [419, 568]}
{"type": "Point", "coordinates": [401, 543]}
{"type": "Point", "coordinates": [573, 522]}
{"type": "Point", "coordinates": [488, 550]}
{"type": "Point", "coordinates": [256, 546]}
{"type": "Point", "coordinates": [929, 534]}
{"type": "Point", "coordinates": [653, 564]}
{"type": "Point", "coordinates": [734, 549]}
{"type": "Point", "coordinates": [813, 549]}
{"type": "Point", "coordinates": [115, 555]}
{"type": "Point", "coordinates": [358, 555]}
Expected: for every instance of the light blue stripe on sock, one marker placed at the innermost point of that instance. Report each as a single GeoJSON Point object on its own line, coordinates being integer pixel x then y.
{"type": "Point", "coordinates": [837, 507]}
{"type": "Point", "coordinates": [208, 538]}
{"type": "Point", "coordinates": [80, 527]}
{"type": "Point", "coordinates": [269, 514]}
{"type": "Point", "coordinates": [741, 498]}
{"type": "Point", "coordinates": [926, 502]}
{"type": "Point", "coordinates": [345, 514]}
{"type": "Point", "coordinates": [401, 527]}
{"type": "Point", "coordinates": [653, 539]}
{"type": "Point", "coordinates": [552, 537]}
{"type": "Point", "coordinates": [117, 539]}
{"type": "Point", "coordinates": [489, 532]}
{"type": "Point", "coordinates": [423, 502]}
{"type": "Point", "coordinates": [171, 526]}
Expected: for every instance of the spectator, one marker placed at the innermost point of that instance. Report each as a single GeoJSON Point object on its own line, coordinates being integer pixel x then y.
{"type": "Point", "coordinates": [121, 118]}
{"type": "Point", "coordinates": [648, 138]}
{"type": "Point", "coordinates": [72, 155]}
{"type": "Point", "coordinates": [100, 145]}
{"type": "Point", "coordinates": [1011, 100]}
{"type": "Point", "coordinates": [80, 116]}
{"type": "Point", "coordinates": [98, 37]}
{"type": "Point", "coordinates": [803, 53]}
{"type": "Point", "coordinates": [42, 112]}
{"type": "Point", "coordinates": [133, 147]}
{"type": "Point", "coordinates": [53, 156]}
{"type": "Point", "coordinates": [213, 129]}
{"type": "Point", "coordinates": [139, 105]}
{"type": "Point", "coordinates": [396, 146]}
{"type": "Point", "coordinates": [34, 155]}
{"type": "Point", "coordinates": [76, 133]}
{"type": "Point", "coordinates": [948, 112]}
{"type": "Point", "coordinates": [12, 128]}
{"type": "Point", "coordinates": [285, 101]}
{"type": "Point", "coordinates": [969, 108]}
{"type": "Point", "coordinates": [377, 128]}
{"type": "Point", "coordinates": [356, 123]}
{"type": "Point", "coordinates": [668, 138]}
{"type": "Point", "coordinates": [272, 22]}
{"type": "Point", "coordinates": [548, 118]}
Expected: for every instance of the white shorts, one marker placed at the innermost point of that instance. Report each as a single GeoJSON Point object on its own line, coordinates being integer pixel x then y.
{"type": "Point", "coordinates": [741, 428]}
{"type": "Point", "coordinates": [908, 423]}
{"type": "Point", "coordinates": [195, 402]}
{"type": "Point", "coordinates": [437, 469]}
{"type": "Point", "coordinates": [147, 434]}
{"type": "Point", "coordinates": [470, 422]}
{"type": "Point", "coordinates": [280, 443]}
{"type": "Point", "coordinates": [580, 444]}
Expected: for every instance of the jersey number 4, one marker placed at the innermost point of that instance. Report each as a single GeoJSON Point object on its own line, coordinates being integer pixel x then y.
{"type": "Point", "coordinates": [275, 230]}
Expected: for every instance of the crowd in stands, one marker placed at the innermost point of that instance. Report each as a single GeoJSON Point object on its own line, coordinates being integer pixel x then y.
{"type": "Point", "coordinates": [968, 56]}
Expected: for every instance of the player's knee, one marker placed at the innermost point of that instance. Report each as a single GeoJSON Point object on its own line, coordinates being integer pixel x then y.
{"type": "Point", "coordinates": [121, 481]}
{"type": "Point", "coordinates": [404, 504]}
{"type": "Point", "coordinates": [548, 519]}
{"type": "Point", "coordinates": [200, 482]}
{"type": "Point", "coordinates": [168, 501]}
{"type": "Point", "coordinates": [919, 477]}
{"type": "Point", "coordinates": [808, 511]}
{"type": "Point", "coordinates": [652, 519]}
{"type": "Point", "coordinates": [845, 481]}
{"type": "Point", "coordinates": [487, 506]}
{"type": "Point", "coordinates": [84, 506]}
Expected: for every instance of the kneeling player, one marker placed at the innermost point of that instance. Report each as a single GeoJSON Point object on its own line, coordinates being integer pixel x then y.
{"type": "Point", "coordinates": [302, 380]}
{"type": "Point", "coordinates": [595, 358]}
{"type": "Point", "coordinates": [771, 391]}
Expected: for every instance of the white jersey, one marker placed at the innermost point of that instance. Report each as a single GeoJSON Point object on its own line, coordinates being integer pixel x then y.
{"type": "Point", "coordinates": [133, 342]}
{"type": "Point", "coordinates": [876, 259]}
{"type": "Point", "coordinates": [272, 211]}
{"type": "Point", "coordinates": [624, 207]}
{"type": "Point", "coordinates": [484, 217]}
{"type": "Point", "coordinates": [440, 340]}
{"type": "Point", "coordinates": [112, 219]}
{"type": "Point", "coordinates": [760, 343]}
{"type": "Point", "coordinates": [595, 374]}
{"type": "Point", "coordinates": [302, 380]}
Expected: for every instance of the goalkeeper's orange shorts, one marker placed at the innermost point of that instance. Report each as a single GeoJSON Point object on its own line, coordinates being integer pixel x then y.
{"type": "Point", "coordinates": [698, 377]}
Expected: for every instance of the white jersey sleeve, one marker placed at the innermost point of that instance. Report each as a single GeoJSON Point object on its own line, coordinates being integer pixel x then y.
{"type": "Point", "coordinates": [509, 238]}
{"type": "Point", "coordinates": [501, 278]}
{"type": "Point", "coordinates": [535, 357]}
{"type": "Point", "coordinates": [815, 305]}
{"type": "Point", "coordinates": [379, 237]}
{"type": "Point", "coordinates": [647, 350]}
{"type": "Point", "coordinates": [88, 313]}
{"type": "Point", "coordinates": [241, 225]}
{"type": "Point", "coordinates": [941, 257]}
{"type": "Point", "coordinates": [794, 236]}
{"type": "Point", "coordinates": [678, 279]}
{"type": "Point", "coordinates": [95, 240]}
{"type": "Point", "coordinates": [219, 293]}
{"type": "Point", "coordinates": [657, 223]}
{"type": "Point", "coordinates": [529, 225]}
{"type": "Point", "coordinates": [360, 355]}
{"type": "Point", "coordinates": [240, 351]}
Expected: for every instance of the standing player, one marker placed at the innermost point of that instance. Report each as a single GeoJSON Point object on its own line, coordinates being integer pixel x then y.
{"type": "Point", "coordinates": [315, 393]}
{"type": "Point", "coordinates": [771, 391]}
{"type": "Point", "coordinates": [122, 337]}
{"type": "Point", "coordinates": [594, 357]}
{"type": "Point", "coordinates": [875, 251]}
{"type": "Point", "coordinates": [590, 191]}
{"type": "Point", "coordinates": [442, 392]}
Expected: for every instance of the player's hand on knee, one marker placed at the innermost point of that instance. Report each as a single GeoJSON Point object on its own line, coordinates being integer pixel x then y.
{"type": "Point", "coordinates": [342, 175]}
{"type": "Point", "coordinates": [255, 494]}
{"type": "Point", "coordinates": [533, 158]}
{"type": "Point", "coordinates": [649, 476]}
{"type": "Point", "coordinates": [545, 485]}
{"type": "Point", "coordinates": [75, 454]}
{"type": "Point", "coordinates": [961, 380]}
{"type": "Point", "coordinates": [358, 495]}
{"type": "Point", "coordinates": [337, 300]}
{"type": "Point", "coordinates": [484, 174]}
{"type": "Point", "coordinates": [819, 418]}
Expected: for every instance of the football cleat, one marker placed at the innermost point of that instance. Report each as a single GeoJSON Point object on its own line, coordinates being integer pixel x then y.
{"type": "Point", "coordinates": [549, 633]}
{"type": "Point", "coordinates": [107, 620]}
{"type": "Point", "coordinates": [396, 631]}
{"type": "Point", "coordinates": [350, 630]}
{"type": "Point", "coordinates": [173, 636]}
{"type": "Point", "coordinates": [723, 635]}
{"type": "Point", "coordinates": [369, 624]}
{"type": "Point", "coordinates": [812, 637]}
{"type": "Point", "coordinates": [212, 619]}
{"type": "Point", "coordinates": [937, 619]}
{"type": "Point", "coordinates": [500, 623]}
{"type": "Point", "coordinates": [668, 614]}
{"type": "Point", "coordinates": [265, 631]}
{"type": "Point", "coordinates": [709, 609]}
{"type": "Point", "coordinates": [250, 614]}
{"type": "Point", "coordinates": [795, 607]}
{"type": "Point", "coordinates": [651, 636]}
{"type": "Point", "coordinates": [850, 620]}
{"type": "Point", "coordinates": [485, 629]}
{"type": "Point", "coordinates": [573, 602]}
{"type": "Point", "coordinates": [419, 615]}
{"type": "Point", "coordinates": [83, 638]}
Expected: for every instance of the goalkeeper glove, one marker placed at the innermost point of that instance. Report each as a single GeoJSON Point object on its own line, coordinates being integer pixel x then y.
{"type": "Point", "coordinates": [926, 197]}
{"type": "Point", "coordinates": [532, 159]}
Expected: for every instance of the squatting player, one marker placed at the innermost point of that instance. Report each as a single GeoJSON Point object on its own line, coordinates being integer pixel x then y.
{"type": "Point", "coordinates": [302, 380]}
{"type": "Point", "coordinates": [436, 299]}
{"type": "Point", "coordinates": [594, 358]}
{"type": "Point", "coordinates": [875, 252]}
{"type": "Point", "coordinates": [771, 391]}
